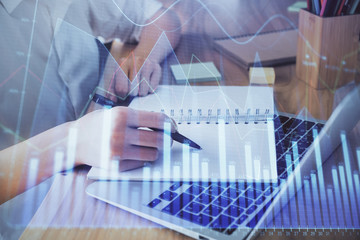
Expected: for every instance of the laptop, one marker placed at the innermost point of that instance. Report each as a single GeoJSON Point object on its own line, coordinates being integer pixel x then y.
{"type": "Point", "coordinates": [236, 210]}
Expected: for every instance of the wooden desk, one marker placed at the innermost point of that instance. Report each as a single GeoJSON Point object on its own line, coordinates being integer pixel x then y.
{"type": "Point", "coordinates": [77, 215]}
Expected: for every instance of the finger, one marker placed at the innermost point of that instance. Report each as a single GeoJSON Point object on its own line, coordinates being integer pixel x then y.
{"type": "Point", "coordinates": [134, 86]}
{"type": "Point", "coordinates": [155, 120]}
{"type": "Point", "coordinates": [145, 81]}
{"type": "Point", "coordinates": [155, 78]}
{"type": "Point", "coordinates": [133, 152]}
{"type": "Point", "coordinates": [111, 91]}
{"type": "Point", "coordinates": [121, 83]}
{"type": "Point", "coordinates": [134, 76]}
{"type": "Point", "coordinates": [138, 118]}
{"type": "Point", "coordinates": [174, 126]}
{"type": "Point", "coordinates": [147, 138]}
{"type": "Point", "coordinates": [125, 165]}
{"type": "Point", "coordinates": [108, 80]}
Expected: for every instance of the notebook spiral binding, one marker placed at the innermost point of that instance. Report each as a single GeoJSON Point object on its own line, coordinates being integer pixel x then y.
{"type": "Point", "coordinates": [183, 116]}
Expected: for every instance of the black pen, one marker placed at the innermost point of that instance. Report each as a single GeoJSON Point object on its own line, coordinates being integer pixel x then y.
{"type": "Point", "coordinates": [176, 136]}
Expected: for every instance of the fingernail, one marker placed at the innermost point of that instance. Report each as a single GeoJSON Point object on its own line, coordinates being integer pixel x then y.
{"type": "Point", "coordinates": [174, 124]}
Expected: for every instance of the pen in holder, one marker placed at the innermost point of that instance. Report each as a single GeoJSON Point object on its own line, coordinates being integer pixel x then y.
{"type": "Point", "coordinates": [327, 49]}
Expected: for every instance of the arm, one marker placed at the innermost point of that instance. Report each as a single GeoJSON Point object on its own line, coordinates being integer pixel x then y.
{"type": "Point", "coordinates": [147, 56]}
{"type": "Point", "coordinates": [15, 161]}
{"type": "Point", "coordinates": [166, 24]}
{"type": "Point", "coordinates": [95, 139]}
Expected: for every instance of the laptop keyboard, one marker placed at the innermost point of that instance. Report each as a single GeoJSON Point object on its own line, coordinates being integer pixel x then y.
{"type": "Point", "coordinates": [225, 206]}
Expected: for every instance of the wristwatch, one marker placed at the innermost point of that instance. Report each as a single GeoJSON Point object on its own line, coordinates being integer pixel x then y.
{"type": "Point", "coordinates": [108, 103]}
{"type": "Point", "coordinates": [103, 101]}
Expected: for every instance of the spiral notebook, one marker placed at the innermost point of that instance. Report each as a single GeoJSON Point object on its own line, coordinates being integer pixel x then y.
{"type": "Point", "coordinates": [233, 125]}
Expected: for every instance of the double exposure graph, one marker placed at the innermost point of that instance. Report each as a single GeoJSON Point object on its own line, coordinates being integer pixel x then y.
{"type": "Point", "coordinates": [323, 202]}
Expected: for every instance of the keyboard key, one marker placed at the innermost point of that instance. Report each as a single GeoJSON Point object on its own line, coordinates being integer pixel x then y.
{"type": "Point", "coordinates": [203, 184]}
{"type": "Point", "coordinates": [195, 190]}
{"type": "Point", "coordinates": [258, 186]}
{"type": "Point", "coordinates": [220, 184]}
{"type": "Point", "coordinates": [305, 141]}
{"type": "Point", "coordinates": [175, 186]}
{"type": "Point", "coordinates": [222, 201]}
{"type": "Point", "coordinates": [205, 198]}
{"type": "Point", "coordinates": [242, 219]}
{"type": "Point", "coordinates": [252, 223]}
{"type": "Point", "coordinates": [318, 126]}
{"type": "Point", "coordinates": [258, 216]}
{"type": "Point", "coordinates": [222, 222]}
{"type": "Point", "coordinates": [292, 137]}
{"type": "Point", "coordinates": [297, 122]}
{"type": "Point", "coordinates": [260, 200]}
{"type": "Point", "coordinates": [309, 124]}
{"type": "Point", "coordinates": [243, 202]}
{"type": "Point", "coordinates": [281, 162]}
{"type": "Point", "coordinates": [283, 119]}
{"type": "Point", "coordinates": [195, 207]}
{"type": "Point", "coordinates": [167, 195]}
{"type": "Point", "coordinates": [232, 193]}
{"type": "Point", "coordinates": [214, 190]}
{"type": "Point", "coordinates": [287, 127]}
{"type": "Point", "coordinates": [304, 127]}
{"type": "Point", "coordinates": [252, 193]}
{"type": "Point", "coordinates": [200, 219]}
{"type": "Point", "coordinates": [280, 149]}
{"type": "Point", "coordinates": [154, 203]}
{"type": "Point", "coordinates": [291, 124]}
{"type": "Point", "coordinates": [301, 129]}
{"type": "Point", "coordinates": [287, 143]}
{"type": "Point", "coordinates": [279, 134]}
{"type": "Point", "coordinates": [234, 211]}
{"type": "Point", "coordinates": [269, 191]}
{"type": "Point", "coordinates": [280, 170]}
{"type": "Point", "coordinates": [213, 210]}
{"type": "Point", "coordinates": [175, 206]}
{"type": "Point", "coordinates": [277, 123]}
{"type": "Point", "coordinates": [301, 149]}
{"type": "Point", "coordinates": [219, 229]}
{"type": "Point", "coordinates": [231, 230]}
{"type": "Point", "coordinates": [239, 186]}
{"type": "Point", "coordinates": [284, 175]}
{"type": "Point", "coordinates": [187, 216]}
{"type": "Point", "coordinates": [251, 209]}
{"type": "Point", "coordinates": [279, 154]}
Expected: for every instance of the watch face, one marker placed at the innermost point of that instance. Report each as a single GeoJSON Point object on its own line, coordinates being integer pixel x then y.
{"type": "Point", "coordinates": [103, 100]}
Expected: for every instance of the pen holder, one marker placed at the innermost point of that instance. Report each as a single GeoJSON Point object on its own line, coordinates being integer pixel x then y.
{"type": "Point", "coordinates": [327, 49]}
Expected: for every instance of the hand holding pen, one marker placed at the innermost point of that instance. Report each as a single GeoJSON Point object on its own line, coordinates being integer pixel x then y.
{"type": "Point", "coordinates": [135, 136]}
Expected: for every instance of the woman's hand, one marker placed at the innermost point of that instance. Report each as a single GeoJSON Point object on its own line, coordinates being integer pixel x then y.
{"type": "Point", "coordinates": [136, 76]}
{"type": "Point", "coordinates": [114, 134]}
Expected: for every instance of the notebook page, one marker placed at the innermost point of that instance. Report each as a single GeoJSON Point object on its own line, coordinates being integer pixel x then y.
{"type": "Point", "coordinates": [230, 151]}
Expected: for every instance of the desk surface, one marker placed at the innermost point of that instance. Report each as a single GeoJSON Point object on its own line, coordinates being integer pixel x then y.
{"type": "Point", "coordinates": [77, 215]}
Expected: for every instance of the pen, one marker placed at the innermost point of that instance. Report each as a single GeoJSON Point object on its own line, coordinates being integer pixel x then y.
{"type": "Point", "coordinates": [354, 6]}
{"type": "Point", "coordinates": [309, 6]}
{"type": "Point", "coordinates": [317, 6]}
{"type": "Point", "coordinates": [176, 136]}
{"type": "Point", "coordinates": [323, 8]}
{"type": "Point", "coordinates": [340, 7]}
{"type": "Point", "coordinates": [336, 7]}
